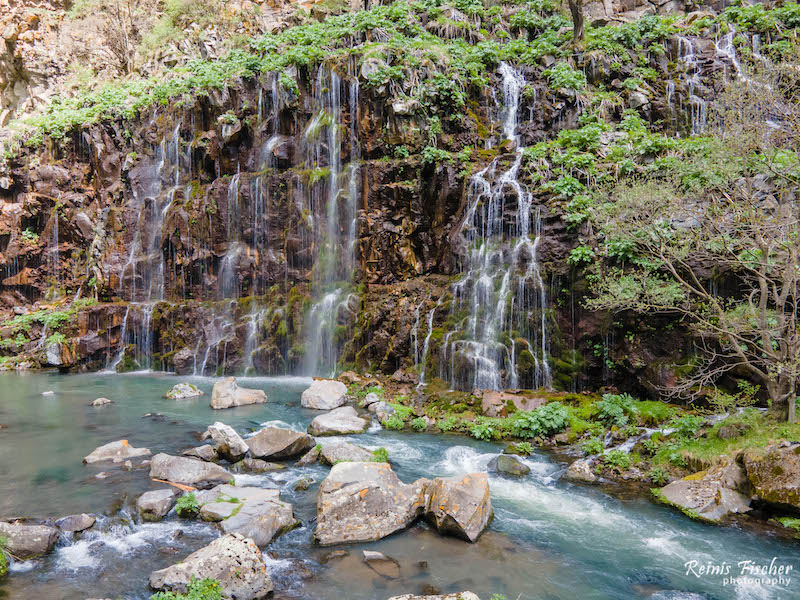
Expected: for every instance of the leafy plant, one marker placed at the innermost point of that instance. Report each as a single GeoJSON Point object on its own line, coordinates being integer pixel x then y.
{"type": "Point", "coordinates": [562, 75]}
{"type": "Point", "coordinates": [687, 425]}
{"type": "Point", "coordinates": [3, 557]}
{"type": "Point", "coordinates": [393, 422]}
{"type": "Point", "coordinates": [187, 506]}
{"type": "Point", "coordinates": [199, 589]}
{"type": "Point", "coordinates": [420, 424]}
{"type": "Point", "coordinates": [658, 475]}
{"type": "Point", "coordinates": [593, 446]}
{"type": "Point", "coordinates": [481, 430]}
{"type": "Point", "coordinates": [617, 459]}
{"type": "Point", "coordinates": [546, 420]}
{"type": "Point", "coordinates": [380, 455]}
{"type": "Point", "coordinates": [615, 409]}
{"type": "Point", "coordinates": [449, 424]}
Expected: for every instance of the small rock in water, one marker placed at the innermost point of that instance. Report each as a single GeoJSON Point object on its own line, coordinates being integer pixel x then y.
{"type": "Point", "coordinates": [508, 465]}
{"type": "Point", "coordinates": [127, 466]}
{"type": "Point", "coordinates": [183, 390]}
{"type": "Point", "coordinates": [580, 470]}
{"type": "Point", "coordinates": [102, 475]}
{"type": "Point", "coordinates": [49, 393]}
{"type": "Point", "coordinates": [154, 416]}
{"type": "Point", "coordinates": [154, 505]}
{"type": "Point", "coordinates": [383, 565]}
{"type": "Point", "coordinates": [333, 555]}
{"type": "Point", "coordinates": [101, 402]}
{"type": "Point", "coordinates": [275, 443]}
{"type": "Point", "coordinates": [230, 444]}
{"type": "Point", "coordinates": [458, 596]}
{"type": "Point", "coordinates": [74, 523]}
{"type": "Point", "coordinates": [460, 506]}
{"type": "Point", "coordinates": [255, 465]}
{"type": "Point", "coordinates": [205, 452]}
{"type": "Point", "coordinates": [188, 471]}
{"type": "Point", "coordinates": [303, 484]}
{"type": "Point", "coordinates": [115, 451]}
{"type": "Point", "coordinates": [309, 458]}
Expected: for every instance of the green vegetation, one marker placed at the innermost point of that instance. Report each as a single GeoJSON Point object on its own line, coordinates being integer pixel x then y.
{"type": "Point", "coordinates": [381, 455]}
{"type": "Point", "coordinates": [199, 589]}
{"type": "Point", "coordinates": [393, 422]}
{"type": "Point", "coordinates": [420, 424]}
{"type": "Point", "coordinates": [3, 557]}
{"type": "Point", "coordinates": [544, 421]}
{"type": "Point", "coordinates": [187, 506]}
{"type": "Point", "coordinates": [617, 459]}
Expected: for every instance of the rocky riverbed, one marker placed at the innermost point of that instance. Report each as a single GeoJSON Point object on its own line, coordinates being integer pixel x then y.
{"type": "Point", "coordinates": [543, 531]}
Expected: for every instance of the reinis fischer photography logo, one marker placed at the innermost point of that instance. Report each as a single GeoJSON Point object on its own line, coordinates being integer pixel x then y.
{"type": "Point", "coordinates": [744, 572]}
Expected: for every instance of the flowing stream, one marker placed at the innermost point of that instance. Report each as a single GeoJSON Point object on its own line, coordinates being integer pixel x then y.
{"type": "Point", "coordinates": [549, 539]}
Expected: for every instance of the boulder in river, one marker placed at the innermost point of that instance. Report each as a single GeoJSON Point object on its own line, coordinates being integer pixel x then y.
{"type": "Point", "coordinates": [205, 452]}
{"type": "Point", "coordinates": [324, 394]}
{"type": "Point", "coordinates": [101, 402]}
{"type": "Point", "coordinates": [28, 541]}
{"type": "Point", "coordinates": [364, 502]}
{"type": "Point", "coordinates": [370, 399]}
{"type": "Point", "coordinates": [460, 506]}
{"type": "Point", "coordinates": [710, 495]}
{"type": "Point", "coordinates": [255, 465]}
{"type": "Point", "coordinates": [340, 421]}
{"type": "Point", "coordinates": [309, 458]}
{"type": "Point", "coordinates": [183, 390]}
{"type": "Point", "coordinates": [233, 560]}
{"type": "Point", "coordinates": [75, 523]}
{"type": "Point", "coordinates": [273, 443]}
{"type": "Point", "coordinates": [344, 451]}
{"type": "Point", "coordinates": [774, 473]}
{"type": "Point", "coordinates": [508, 465]}
{"type": "Point", "coordinates": [117, 452]}
{"type": "Point", "coordinates": [227, 394]}
{"type": "Point", "coordinates": [256, 513]}
{"type": "Point", "coordinates": [230, 444]}
{"type": "Point", "coordinates": [154, 505]}
{"type": "Point", "coordinates": [581, 471]}
{"type": "Point", "coordinates": [188, 471]}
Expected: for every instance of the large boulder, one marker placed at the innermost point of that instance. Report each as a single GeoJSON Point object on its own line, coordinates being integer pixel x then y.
{"type": "Point", "coordinates": [712, 495]}
{"type": "Point", "coordinates": [508, 465]}
{"type": "Point", "coordinates": [324, 394]}
{"type": "Point", "coordinates": [363, 502]}
{"type": "Point", "coordinates": [256, 513]}
{"type": "Point", "coordinates": [117, 452]}
{"type": "Point", "coordinates": [340, 421]}
{"type": "Point", "coordinates": [230, 445]}
{"type": "Point", "coordinates": [183, 390]}
{"type": "Point", "coordinates": [460, 506]}
{"type": "Point", "coordinates": [458, 596]}
{"type": "Point", "coordinates": [343, 451]}
{"type": "Point", "coordinates": [233, 560]}
{"type": "Point", "coordinates": [28, 541]}
{"type": "Point", "coordinates": [184, 361]}
{"type": "Point", "coordinates": [274, 443]}
{"type": "Point", "coordinates": [154, 505]}
{"type": "Point", "coordinates": [188, 471]}
{"type": "Point", "coordinates": [227, 394]}
{"type": "Point", "coordinates": [774, 473]}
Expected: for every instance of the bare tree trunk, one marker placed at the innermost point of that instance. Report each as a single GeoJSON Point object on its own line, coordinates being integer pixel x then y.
{"type": "Point", "coordinates": [576, 8]}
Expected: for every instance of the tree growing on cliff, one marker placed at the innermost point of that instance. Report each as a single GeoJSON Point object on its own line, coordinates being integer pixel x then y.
{"type": "Point", "coordinates": [716, 243]}
{"type": "Point", "coordinates": [578, 30]}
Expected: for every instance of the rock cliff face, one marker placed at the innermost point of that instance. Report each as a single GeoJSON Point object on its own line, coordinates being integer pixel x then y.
{"type": "Point", "coordinates": [296, 222]}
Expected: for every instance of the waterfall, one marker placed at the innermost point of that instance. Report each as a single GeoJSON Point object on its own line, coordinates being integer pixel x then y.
{"type": "Point", "coordinates": [504, 341]}
{"type": "Point", "coordinates": [333, 213]}
{"type": "Point", "coordinates": [145, 263]}
{"type": "Point", "coordinates": [427, 343]}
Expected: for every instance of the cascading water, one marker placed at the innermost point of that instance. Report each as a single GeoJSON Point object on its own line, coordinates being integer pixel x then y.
{"type": "Point", "coordinates": [333, 214]}
{"type": "Point", "coordinates": [144, 268]}
{"type": "Point", "coordinates": [504, 341]}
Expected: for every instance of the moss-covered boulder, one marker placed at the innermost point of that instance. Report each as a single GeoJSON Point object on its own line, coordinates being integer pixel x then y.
{"type": "Point", "coordinates": [774, 473]}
